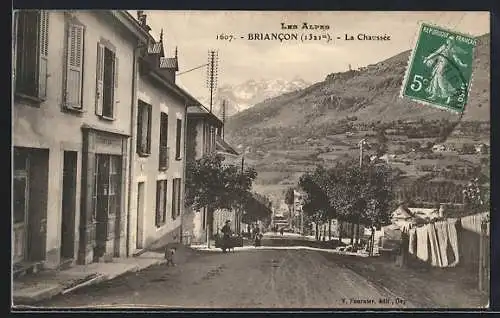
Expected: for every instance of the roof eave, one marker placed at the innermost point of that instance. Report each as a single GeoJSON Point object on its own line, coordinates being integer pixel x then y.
{"type": "Point", "coordinates": [191, 101]}
{"type": "Point", "coordinates": [131, 24]}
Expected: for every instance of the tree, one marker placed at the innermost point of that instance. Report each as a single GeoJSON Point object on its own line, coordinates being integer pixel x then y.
{"type": "Point", "coordinates": [213, 185]}
{"type": "Point", "coordinates": [258, 207]}
{"type": "Point", "coordinates": [289, 200]}
{"type": "Point", "coordinates": [316, 202]}
{"type": "Point", "coordinates": [359, 195]}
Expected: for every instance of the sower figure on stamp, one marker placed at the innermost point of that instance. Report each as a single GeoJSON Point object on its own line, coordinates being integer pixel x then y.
{"type": "Point", "coordinates": [440, 60]}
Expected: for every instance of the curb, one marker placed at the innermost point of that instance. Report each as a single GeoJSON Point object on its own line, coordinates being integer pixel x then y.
{"type": "Point", "coordinates": [59, 289]}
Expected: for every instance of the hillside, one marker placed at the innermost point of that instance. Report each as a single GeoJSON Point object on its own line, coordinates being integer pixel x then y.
{"type": "Point", "coordinates": [370, 94]}
{"type": "Point", "coordinates": [295, 131]}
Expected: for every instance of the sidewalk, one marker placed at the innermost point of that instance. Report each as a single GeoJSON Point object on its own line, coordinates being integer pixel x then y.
{"type": "Point", "coordinates": [30, 289]}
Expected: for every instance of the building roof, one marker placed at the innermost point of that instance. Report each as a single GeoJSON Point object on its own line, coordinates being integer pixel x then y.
{"type": "Point", "coordinates": [222, 145]}
{"type": "Point", "coordinates": [202, 111]}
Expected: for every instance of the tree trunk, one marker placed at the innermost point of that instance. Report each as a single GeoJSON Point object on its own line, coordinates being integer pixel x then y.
{"type": "Point", "coordinates": [210, 225]}
{"type": "Point", "coordinates": [351, 227]}
{"type": "Point", "coordinates": [330, 229]}
{"type": "Point", "coordinates": [317, 230]}
{"type": "Point", "coordinates": [340, 231]}
{"type": "Point", "coordinates": [358, 233]}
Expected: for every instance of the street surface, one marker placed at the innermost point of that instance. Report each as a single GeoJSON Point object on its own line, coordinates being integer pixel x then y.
{"type": "Point", "coordinates": [284, 278]}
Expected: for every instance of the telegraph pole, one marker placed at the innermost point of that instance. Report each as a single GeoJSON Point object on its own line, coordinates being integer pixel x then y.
{"type": "Point", "coordinates": [212, 70]}
{"type": "Point", "coordinates": [223, 117]}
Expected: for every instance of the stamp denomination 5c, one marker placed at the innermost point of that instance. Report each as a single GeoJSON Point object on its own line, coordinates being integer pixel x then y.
{"type": "Point", "coordinates": [440, 68]}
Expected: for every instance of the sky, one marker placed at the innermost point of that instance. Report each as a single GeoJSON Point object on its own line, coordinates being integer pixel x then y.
{"type": "Point", "coordinates": [194, 33]}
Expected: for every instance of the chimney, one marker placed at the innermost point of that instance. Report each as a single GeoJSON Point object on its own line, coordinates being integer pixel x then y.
{"type": "Point", "coordinates": [142, 18]}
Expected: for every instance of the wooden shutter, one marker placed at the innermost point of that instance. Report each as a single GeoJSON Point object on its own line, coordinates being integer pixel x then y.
{"type": "Point", "coordinates": [139, 127]}
{"type": "Point", "coordinates": [115, 85]}
{"type": "Point", "coordinates": [43, 54]}
{"type": "Point", "coordinates": [148, 128]}
{"type": "Point", "coordinates": [74, 66]}
{"type": "Point", "coordinates": [178, 139]}
{"type": "Point", "coordinates": [178, 197]}
{"type": "Point", "coordinates": [115, 77]}
{"type": "Point", "coordinates": [15, 29]}
{"type": "Point", "coordinates": [99, 80]}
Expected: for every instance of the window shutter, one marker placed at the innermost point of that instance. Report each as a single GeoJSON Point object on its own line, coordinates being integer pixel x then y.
{"type": "Point", "coordinates": [158, 204]}
{"type": "Point", "coordinates": [14, 46]}
{"type": "Point", "coordinates": [178, 139]}
{"type": "Point", "coordinates": [99, 80]}
{"type": "Point", "coordinates": [43, 54]}
{"type": "Point", "coordinates": [115, 84]}
{"type": "Point", "coordinates": [115, 79]}
{"type": "Point", "coordinates": [74, 66]}
{"type": "Point", "coordinates": [148, 128]}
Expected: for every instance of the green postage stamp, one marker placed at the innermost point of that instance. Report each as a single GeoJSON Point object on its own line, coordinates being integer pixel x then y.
{"type": "Point", "coordinates": [440, 69]}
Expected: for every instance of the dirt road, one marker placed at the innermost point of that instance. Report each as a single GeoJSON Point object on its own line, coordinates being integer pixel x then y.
{"type": "Point", "coordinates": [243, 279]}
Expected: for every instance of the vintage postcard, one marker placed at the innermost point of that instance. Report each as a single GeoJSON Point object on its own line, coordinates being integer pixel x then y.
{"type": "Point", "coordinates": [246, 159]}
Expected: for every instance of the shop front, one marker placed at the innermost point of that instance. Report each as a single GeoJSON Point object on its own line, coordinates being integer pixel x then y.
{"type": "Point", "coordinates": [103, 218]}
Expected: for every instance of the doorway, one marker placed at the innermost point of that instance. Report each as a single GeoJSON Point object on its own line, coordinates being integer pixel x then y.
{"type": "Point", "coordinates": [140, 214]}
{"type": "Point", "coordinates": [21, 205]}
{"type": "Point", "coordinates": [68, 205]}
{"type": "Point", "coordinates": [30, 195]}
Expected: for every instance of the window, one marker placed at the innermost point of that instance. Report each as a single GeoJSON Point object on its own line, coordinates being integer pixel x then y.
{"type": "Point", "coordinates": [161, 202]}
{"type": "Point", "coordinates": [107, 181]}
{"type": "Point", "coordinates": [114, 185]}
{"type": "Point", "coordinates": [31, 54]}
{"type": "Point", "coordinates": [178, 140]}
{"type": "Point", "coordinates": [164, 150]}
{"type": "Point", "coordinates": [144, 129]}
{"type": "Point", "coordinates": [107, 81]}
{"type": "Point", "coordinates": [176, 198]}
{"type": "Point", "coordinates": [74, 66]}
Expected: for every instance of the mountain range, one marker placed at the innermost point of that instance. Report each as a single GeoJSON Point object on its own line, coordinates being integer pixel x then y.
{"type": "Point", "coordinates": [241, 96]}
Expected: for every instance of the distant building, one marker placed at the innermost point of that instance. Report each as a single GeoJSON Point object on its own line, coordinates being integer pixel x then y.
{"type": "Point", "coordinates": [438, 148]}
{"type": "Point", "coordinates": [204, 136]}
{"type": "Point", "coordinates": [481, 148]}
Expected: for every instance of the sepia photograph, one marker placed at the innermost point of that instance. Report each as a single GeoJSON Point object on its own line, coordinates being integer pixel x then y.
{"type": "Point", "coordinates": [250, 159]}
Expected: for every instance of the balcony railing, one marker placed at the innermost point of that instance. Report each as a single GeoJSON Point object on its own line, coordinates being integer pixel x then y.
{"type": "Point", "coordinates": [164, 158]}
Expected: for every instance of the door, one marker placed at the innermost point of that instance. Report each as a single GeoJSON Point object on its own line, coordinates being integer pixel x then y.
{"type": "Point", "coordinates": [101, 187]}
{"type": "Point", "coordinates": [68, 205]}
{"type": "Point", "coordinates": [140, 214]}
{"type": "Point", "coordinates": [21, 206]}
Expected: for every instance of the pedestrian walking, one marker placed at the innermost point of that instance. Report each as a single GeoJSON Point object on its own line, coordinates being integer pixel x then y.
{"type": "Point", "coordinates": [281, 231]}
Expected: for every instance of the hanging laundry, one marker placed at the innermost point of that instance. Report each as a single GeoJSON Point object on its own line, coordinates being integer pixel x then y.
{"type": "Point", "coordinates": [442, 235]}
{"type": "Point", "coordinates": [443, 240]}
{"type": "Point", "coordinates": [453, 240]}
{"type": "Point", "coordinates": [422, 248]}
{"type": "Point", "coordinates": [434, 247]}
{"type": "Point", "coordinates": [412, 245]}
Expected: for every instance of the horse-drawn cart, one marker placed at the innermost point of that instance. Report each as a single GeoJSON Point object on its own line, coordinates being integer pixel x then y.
{"type": "Point", "coordinates": [228, 243]}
